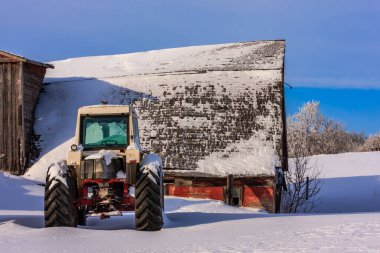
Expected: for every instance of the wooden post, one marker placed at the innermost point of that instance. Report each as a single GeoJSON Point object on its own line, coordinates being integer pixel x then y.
{"type": "Point", "coordinates": [230, 190]}
{"type": "Point", "coordinates": [307, 188]}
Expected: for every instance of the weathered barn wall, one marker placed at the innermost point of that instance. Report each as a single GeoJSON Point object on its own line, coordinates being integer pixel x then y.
{"type": "Point", "coordinates": [11, 133]}
{"type": "Point", "coordinates": [33, 76]}
{"type": "Point", "coordinates": [20, 84]}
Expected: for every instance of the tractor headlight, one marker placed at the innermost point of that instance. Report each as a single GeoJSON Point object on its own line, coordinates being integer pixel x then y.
{"type": "Point", "coordinates": [74, 147]}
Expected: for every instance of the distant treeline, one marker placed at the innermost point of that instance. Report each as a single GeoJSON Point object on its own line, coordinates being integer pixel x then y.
{"type": "Point", "coordinates": [317, 134]}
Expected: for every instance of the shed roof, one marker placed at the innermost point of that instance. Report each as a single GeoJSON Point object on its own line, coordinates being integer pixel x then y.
{"type": "Point", "coordinates": [24, 59]}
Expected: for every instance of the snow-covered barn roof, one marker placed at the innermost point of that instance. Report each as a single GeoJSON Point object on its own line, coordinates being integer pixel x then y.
{"type": "Point", "coordinates": [218, 111]}
{"type": "Point", "coordinates": [207, 110]}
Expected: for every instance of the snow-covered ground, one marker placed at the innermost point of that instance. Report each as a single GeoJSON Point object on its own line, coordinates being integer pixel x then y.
{"type": "Point", "coordinates": [350, 189]}
{"type": "Point", "coordinates": [351, 182]}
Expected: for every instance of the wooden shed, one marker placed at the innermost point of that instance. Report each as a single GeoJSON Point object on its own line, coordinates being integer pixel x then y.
{"type": "Point", "coordinates": [20, 85]}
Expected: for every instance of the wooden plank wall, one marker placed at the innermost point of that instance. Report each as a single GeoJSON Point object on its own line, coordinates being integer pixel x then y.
{"type": "Point", "coordinates": [33, 76]}
{"type": "Point", "coordinates": [11, 132]}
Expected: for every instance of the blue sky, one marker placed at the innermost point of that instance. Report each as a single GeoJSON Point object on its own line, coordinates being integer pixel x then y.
{"type": "Point", "coordinates": [357, 109]}
{"type": "Point", "coordinates": [331, 45]}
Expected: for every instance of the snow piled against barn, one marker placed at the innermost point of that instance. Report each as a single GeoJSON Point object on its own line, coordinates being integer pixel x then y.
{"type": "Point", "coordinates": [350, 221]}
{"type": "Point", "coordinates": [157, 74]}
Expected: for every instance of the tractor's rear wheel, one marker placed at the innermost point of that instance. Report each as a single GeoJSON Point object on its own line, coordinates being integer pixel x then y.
{"type": "Point", "coordinates": [60, 197]}
{"type": "Point", "coordinates": [149, 201]}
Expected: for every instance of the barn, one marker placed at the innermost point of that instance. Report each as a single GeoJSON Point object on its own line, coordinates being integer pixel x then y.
{"type": "Point", "coordinates": [220, 125]}
{"type": "Point", "coordinates": [20, 84]}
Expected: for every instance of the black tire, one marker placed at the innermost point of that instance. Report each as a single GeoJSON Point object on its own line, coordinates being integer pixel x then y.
{"type": "Point", "coordinates": [148, 201]}
{"type": "Point", "coordinates": [60, 201]}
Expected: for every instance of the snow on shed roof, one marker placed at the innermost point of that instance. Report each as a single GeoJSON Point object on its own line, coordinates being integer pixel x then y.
{"type": "Point", "coordinates": [218, 111]}
{"type": "Point", "coordinates": [244, 56]}
{"type": "Point", "coordinates": [207, 110]}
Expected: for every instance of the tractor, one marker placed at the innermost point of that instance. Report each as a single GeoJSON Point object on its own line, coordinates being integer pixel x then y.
{"type": "Point", "coordinates": [106, 173]}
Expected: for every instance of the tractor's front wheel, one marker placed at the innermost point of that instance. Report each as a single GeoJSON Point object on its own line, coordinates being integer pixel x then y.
{"type": "Point", "coordinates": [149, 198]}
{"type": "Point", "coordinates": [60, 197]}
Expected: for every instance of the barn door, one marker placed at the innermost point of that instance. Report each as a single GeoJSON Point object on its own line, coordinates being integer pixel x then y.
{"type": "Point", "coordinates": [11, 138]}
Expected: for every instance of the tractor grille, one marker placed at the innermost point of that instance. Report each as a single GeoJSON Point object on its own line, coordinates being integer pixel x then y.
{"type": "Point", "coordinates": [97, 168]}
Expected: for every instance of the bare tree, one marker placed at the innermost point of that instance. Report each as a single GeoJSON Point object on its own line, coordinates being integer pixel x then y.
{"type": "Point", "coordinates": [303, 183]}
{"type": "Point", "coordinates": [318, 134]}
{"type": "Point", "coordinates": [371, 144]}
{"type": "Point", "coordinates": [312, 133]}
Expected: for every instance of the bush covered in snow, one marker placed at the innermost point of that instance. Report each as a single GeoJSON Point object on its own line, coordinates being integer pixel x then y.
{"type": "Point", "coordinates": [317, 134]}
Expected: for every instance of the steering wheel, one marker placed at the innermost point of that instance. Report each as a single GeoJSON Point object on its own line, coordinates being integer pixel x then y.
{"type": "Point", "coordinates": [109, 142]}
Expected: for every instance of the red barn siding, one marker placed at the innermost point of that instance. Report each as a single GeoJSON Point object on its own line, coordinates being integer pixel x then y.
{"type": "Point", "coordinates": [255, 192]}
{"type": "Point", "coordinates": [261, 197]}
{"type": "Point", "coordinates": [203, 192]}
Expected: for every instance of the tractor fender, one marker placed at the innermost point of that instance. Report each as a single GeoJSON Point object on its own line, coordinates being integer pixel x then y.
{"type": "Point", "coordinates": [57, 171]}
{"type": "Point", "coordinates": [152, 163]}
